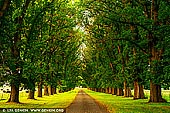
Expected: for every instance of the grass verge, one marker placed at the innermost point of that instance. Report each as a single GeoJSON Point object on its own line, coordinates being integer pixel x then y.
{"type": "Point", "coordinates": [119, 104]}
{"type": "Point", "coordinates": [60, 100]}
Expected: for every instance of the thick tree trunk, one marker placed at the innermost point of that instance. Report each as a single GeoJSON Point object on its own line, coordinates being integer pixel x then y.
{"type": "Point", "coordinates": [156, 54]}
{"type": "Point", "coordinates": [14, 96]}
{"type": "Point", "coordinates": [46, 90]}
{"type": "Point", "coordinates": [31, 94]}
{"type": "Point", "coordinates": [119, 92]}
{"type": "Point", "coordinates": [15, 51]}
{"type": "Point", "coordinates": [40, 89]}
{"type": "Point", "coordinates": [136, 89]}
{"type": "Point", "coordinates": [155, 93]}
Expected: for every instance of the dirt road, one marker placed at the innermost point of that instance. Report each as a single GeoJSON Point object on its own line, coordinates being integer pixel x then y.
{"type": "Point", "coordinates": [83, 103]}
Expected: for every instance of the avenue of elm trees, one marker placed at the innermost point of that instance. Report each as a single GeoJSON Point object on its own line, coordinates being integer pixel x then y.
{"type": "Point", "coordinates": [126, 45]}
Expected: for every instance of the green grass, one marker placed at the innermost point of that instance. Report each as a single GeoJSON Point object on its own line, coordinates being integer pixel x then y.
{"type": "Point", "coordinates": [60, 100]}
{"type": "Point", "coordinates": [119, 104]}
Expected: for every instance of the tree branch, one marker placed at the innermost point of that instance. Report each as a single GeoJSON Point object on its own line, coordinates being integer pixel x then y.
{"type": "Point", "coordinates": [132, 43]}
{"type": "Point", "coordinates": [4, 7]}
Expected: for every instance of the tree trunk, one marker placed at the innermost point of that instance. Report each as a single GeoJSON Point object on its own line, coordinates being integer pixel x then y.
{"type": "Point", "coordinates": [125, 89]}
{"type": "Point", "coordinates": [97, 89]}
{"type": "Point", "coordinates": [155, 93]}
{"type": "Point", "coordinates": [46, 90]}
{"type": "Point", "coordinates": [14, 96]}
{"type": "Point", "coordinates": [40, 89]}
{"type": "Point", "coordinates": [114, 91]}
{"type": "Point", "coordinates": [54, 90]}
{"type": "Point", "coordinates": [119, 92]}
{"type": "Point", "coordinates": [156, 54]}
{"type": "Point", "coordinates": [141, 92]}
{"type": "Point", "coordinates": [50, 90]}
{"type": "Point", "coordinates": [136, 89]}
{"type": "Point", "coordinates": [31, 91]}
{"type": "Point", "coordinates": [5, 5]}
{"type": "Point", "coordinates": [103, 90]}
{"type": "Point", "coordinates": [110, 90]}
{"type": "Point", "coordinates": [106, 90]}
{"type": "Point", "coordinates": [129, 92]}
{"type": "Point", "coordinates": [31, 94]}
{"type": "Point", "coordinates": [100, 89]}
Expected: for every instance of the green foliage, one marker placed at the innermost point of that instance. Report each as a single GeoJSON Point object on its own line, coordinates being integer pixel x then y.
{"type": "Point", "coordinates": [121, 32]}
{"type": "Point", "coordinates": [46, 45]}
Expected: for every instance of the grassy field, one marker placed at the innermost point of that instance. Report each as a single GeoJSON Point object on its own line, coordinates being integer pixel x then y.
{"type": "Point", "coordinates": [118, 104]}
{"type": "Point", "coordinates": [60, 100]}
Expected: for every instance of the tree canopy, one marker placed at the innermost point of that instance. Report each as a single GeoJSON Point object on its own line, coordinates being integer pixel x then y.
{"type": "Point", "coordinates": [99, 44]}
